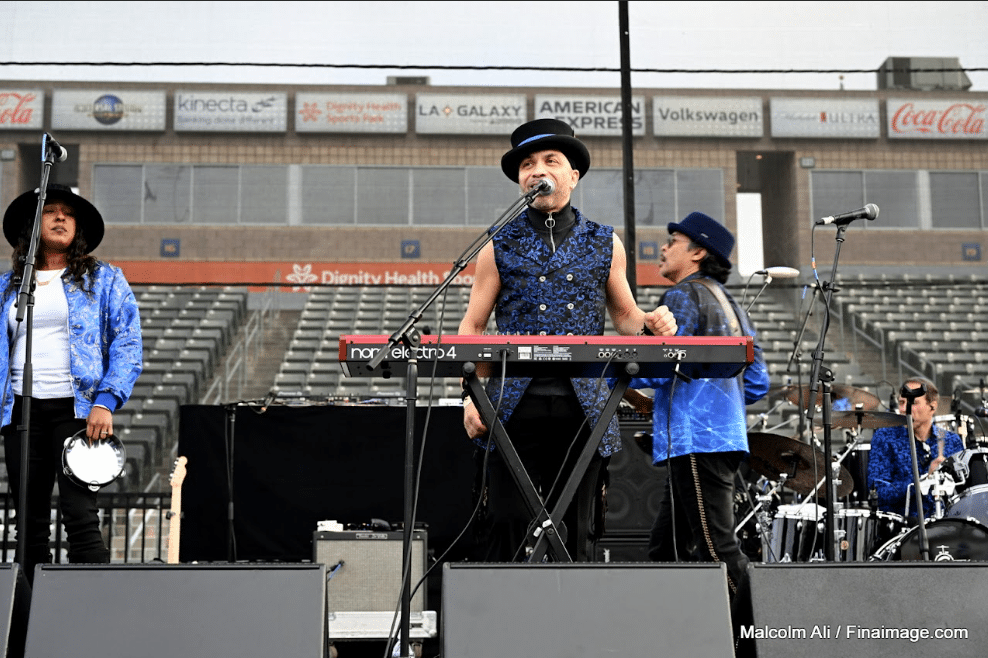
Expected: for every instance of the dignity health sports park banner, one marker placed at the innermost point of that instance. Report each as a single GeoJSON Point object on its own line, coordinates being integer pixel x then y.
{"type": "Point", "coordinates": [351, 112]}
{"type": "Point", "coordinates": [303, 277]}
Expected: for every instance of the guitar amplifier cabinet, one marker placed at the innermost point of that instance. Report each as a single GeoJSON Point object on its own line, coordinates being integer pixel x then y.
{"type": "Point", "coordinates": [363, 569]}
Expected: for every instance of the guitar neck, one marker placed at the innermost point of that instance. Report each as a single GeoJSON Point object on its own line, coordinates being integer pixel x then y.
{"type": "Point", "coordinates": [175, 525]}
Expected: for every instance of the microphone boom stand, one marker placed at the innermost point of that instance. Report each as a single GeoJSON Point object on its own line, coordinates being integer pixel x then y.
{"type": "Point", "coordinates": [408, 336]}
{"type": "Point", "coordinates": [820, 376]}
{"type": "Point", "coordinates": [25, 311]}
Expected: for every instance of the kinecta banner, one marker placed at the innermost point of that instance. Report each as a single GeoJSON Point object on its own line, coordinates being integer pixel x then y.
{"type": "Point", "coordinates": [700, 116]}
{"type": "Point", "coordinates": [231, 111]}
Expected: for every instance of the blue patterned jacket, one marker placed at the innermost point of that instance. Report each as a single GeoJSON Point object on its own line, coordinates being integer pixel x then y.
{"type": "Point", "coordinates": [554, 294]}
{"type": "Point", "coordinates": [708, 415]}
{"type": "Point", "coordinates": [890, 466]}
{"type": "Point", "coordinates": [105, 348]}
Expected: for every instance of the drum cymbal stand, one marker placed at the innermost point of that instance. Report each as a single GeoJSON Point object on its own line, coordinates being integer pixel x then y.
{"type": "Point", "coordinates": [763, 524]}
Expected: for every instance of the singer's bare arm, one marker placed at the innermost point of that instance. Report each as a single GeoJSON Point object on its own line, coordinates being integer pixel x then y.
{"type": "Point", "coordinates": [483, 294]}
{"type": "Point", "coordinates": [627, 317]}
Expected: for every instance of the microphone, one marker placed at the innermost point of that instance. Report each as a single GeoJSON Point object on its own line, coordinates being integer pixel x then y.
{"type": "Point", "coordinates": [870, 211]}
{"type": "Point", "coordinates": [544, 187]}
{"type": "Point", "coordinates": [780, 272]}
{"type": "Point", "coordinates": [58, 153]}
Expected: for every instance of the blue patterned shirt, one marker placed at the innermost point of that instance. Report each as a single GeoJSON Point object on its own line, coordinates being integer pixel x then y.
{"type": "Point", "coordinates": [707, 415]}
{"type": "Point", "coordinates": [890, 466]}
{"type": "Point", "coordinates": [105, 348]}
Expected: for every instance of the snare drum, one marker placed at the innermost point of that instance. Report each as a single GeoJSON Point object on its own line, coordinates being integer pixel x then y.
{"type": "Point", "coordinates": [949, 539]}
{"type": "Point", "coordinates": [95, 464]}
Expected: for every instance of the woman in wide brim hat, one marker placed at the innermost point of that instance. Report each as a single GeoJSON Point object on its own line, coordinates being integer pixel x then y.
{"type": "Point", "coordinates": [86, 357]}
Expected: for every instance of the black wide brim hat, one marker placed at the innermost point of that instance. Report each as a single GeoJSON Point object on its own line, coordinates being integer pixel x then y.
{"type": "Point", "coordinates": [20, 215]}
{"type": "Point", "coordinates": [545, 135]}
{"type": "Point", "coordinates": [708, 233]}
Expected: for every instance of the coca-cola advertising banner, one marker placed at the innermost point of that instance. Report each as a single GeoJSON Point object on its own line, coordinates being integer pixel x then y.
{"type": "Point", "coordinates": [936, 119]}
{"type": "Point", "coordinates": [72, 109]}
{"type": "Point", "coordinates": [21, 109]}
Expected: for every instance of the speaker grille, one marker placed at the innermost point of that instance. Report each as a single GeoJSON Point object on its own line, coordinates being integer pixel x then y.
{"type": "Point", "coordinates": [369, 579]}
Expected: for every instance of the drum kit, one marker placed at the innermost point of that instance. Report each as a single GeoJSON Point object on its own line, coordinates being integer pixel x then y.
{"type": "Point", "coordinates": [796, 531]}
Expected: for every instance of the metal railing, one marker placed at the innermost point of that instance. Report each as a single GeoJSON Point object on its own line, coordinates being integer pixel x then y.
{"type": "Point", "coordinates": [135, 527]}
{"type": "Point", "coordinates": [238, 360]}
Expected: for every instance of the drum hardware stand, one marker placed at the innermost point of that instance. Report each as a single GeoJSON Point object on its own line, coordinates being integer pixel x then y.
{"type": "Point", "coordinates": [910, 394]}
{"type": "Point", "coordinates": [942, 486]}
{"type": "Point", "coordinates": [25, 311]}
{"type": "Point", "coordinates": [764, 522]}
{"type": "Point", "coordinates": [409, 337]}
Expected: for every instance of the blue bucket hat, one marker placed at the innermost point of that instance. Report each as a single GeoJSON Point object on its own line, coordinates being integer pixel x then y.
{"type": "Point", "coordinates": [545, 135]}
{"type": "Point", "coordinates": [708, 233]}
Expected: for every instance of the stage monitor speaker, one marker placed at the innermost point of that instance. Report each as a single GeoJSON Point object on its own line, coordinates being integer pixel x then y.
{"type": "Point", "coordinates": [165, 611]}
{"type": "Point", "coordinates": [869, 609]}
{"type": "Point", "coordinates": [585, 609]}
{"type": "Point", "coordinates": [369, 575]}
{"type": "Point", "coordinates": [15, 597]}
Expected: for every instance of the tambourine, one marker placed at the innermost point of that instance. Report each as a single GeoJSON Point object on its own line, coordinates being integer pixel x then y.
{"type": "Point", "coordinates": [93, 465]}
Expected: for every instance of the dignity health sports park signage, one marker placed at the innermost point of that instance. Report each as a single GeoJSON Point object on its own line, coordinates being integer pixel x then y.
{"type": "Point", "coordinates": [469, 114]}
{"type": "Point", "coordinates": [72, 109]}
{"type": "Point", "coordinates": [21, 109]}
{"type": "Point", "coordinates": [231, 111]}
{"type": "Point", "coordinates": [936, 119]}
{"type": "Point", "coordinates": [351, 113]}
{"type": "Point", "coordinates": [707, 116]}
{"type": "Point", "coordinates": [834, 118]}
{"type": "Point", "coordinates": [597, 116]}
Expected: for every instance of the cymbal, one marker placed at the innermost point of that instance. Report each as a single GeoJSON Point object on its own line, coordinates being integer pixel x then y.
{"type": "Point", "coordinates": [857, 398]}
{"type": "Point", "coordinates": [772, 455]}
{"type": "Point", "coordinates": [868, 420]}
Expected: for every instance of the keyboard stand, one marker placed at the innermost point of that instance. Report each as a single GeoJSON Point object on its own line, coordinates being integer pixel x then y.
{"type": "Point", "coordinates": [545, 539]}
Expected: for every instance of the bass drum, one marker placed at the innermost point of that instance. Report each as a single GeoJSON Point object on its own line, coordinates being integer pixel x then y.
{"type": "Point", "coordinates": [93, 465]}
{"type": "Point", "coordinates": [949, 540]}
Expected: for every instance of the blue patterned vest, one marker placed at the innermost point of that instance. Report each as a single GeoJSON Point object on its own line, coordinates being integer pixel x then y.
{"type": "Point", "coordinates": [554, 294]}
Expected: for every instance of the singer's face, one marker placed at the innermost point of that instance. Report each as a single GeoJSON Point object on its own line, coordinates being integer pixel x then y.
{"type": "Point", "coordinates": [57, 227]}
{"type": "Point", "coordinates": [677, 260]}
{"type": "Point", "coordinates": [554, 166]}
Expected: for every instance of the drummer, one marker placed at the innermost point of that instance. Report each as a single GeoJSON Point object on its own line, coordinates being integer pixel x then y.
{"type": "Point", "coordinates": [86, 356]}
{"type": "Point", "coordinates": [890, 461]}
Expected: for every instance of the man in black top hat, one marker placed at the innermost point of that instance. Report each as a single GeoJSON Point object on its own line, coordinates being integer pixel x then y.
{"type": "Point", "coordinates": [551, 272]}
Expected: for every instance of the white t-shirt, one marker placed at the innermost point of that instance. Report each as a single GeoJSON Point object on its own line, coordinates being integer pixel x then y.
{"type": "Point", "coordinates": [50, 340]}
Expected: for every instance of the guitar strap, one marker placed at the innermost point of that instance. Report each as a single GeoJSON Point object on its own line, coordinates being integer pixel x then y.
{"type": "Point", "coordinates": [733, 321]}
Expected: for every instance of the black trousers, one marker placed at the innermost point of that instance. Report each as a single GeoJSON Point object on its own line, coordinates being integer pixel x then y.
{"type": "Point", "coordinates": [548, 432]}
{"type": "Point", "coordinates": [52, 421]}
{"type": "Point", "coordinates": [702, 485]}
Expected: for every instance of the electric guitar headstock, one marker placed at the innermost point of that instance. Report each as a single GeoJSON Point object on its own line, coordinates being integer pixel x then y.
{"type": "Point", "coordinates": [178, 473]}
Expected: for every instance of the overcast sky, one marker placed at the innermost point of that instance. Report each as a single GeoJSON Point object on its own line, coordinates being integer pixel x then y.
{"type": "Point", "coordinates": [664, 35]}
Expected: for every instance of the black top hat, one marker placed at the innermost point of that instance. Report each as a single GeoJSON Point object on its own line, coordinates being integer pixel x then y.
{"type": "Point", "coordinates": [545, 135]}
{"type": "Point", "coordinates": [20, 213]}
